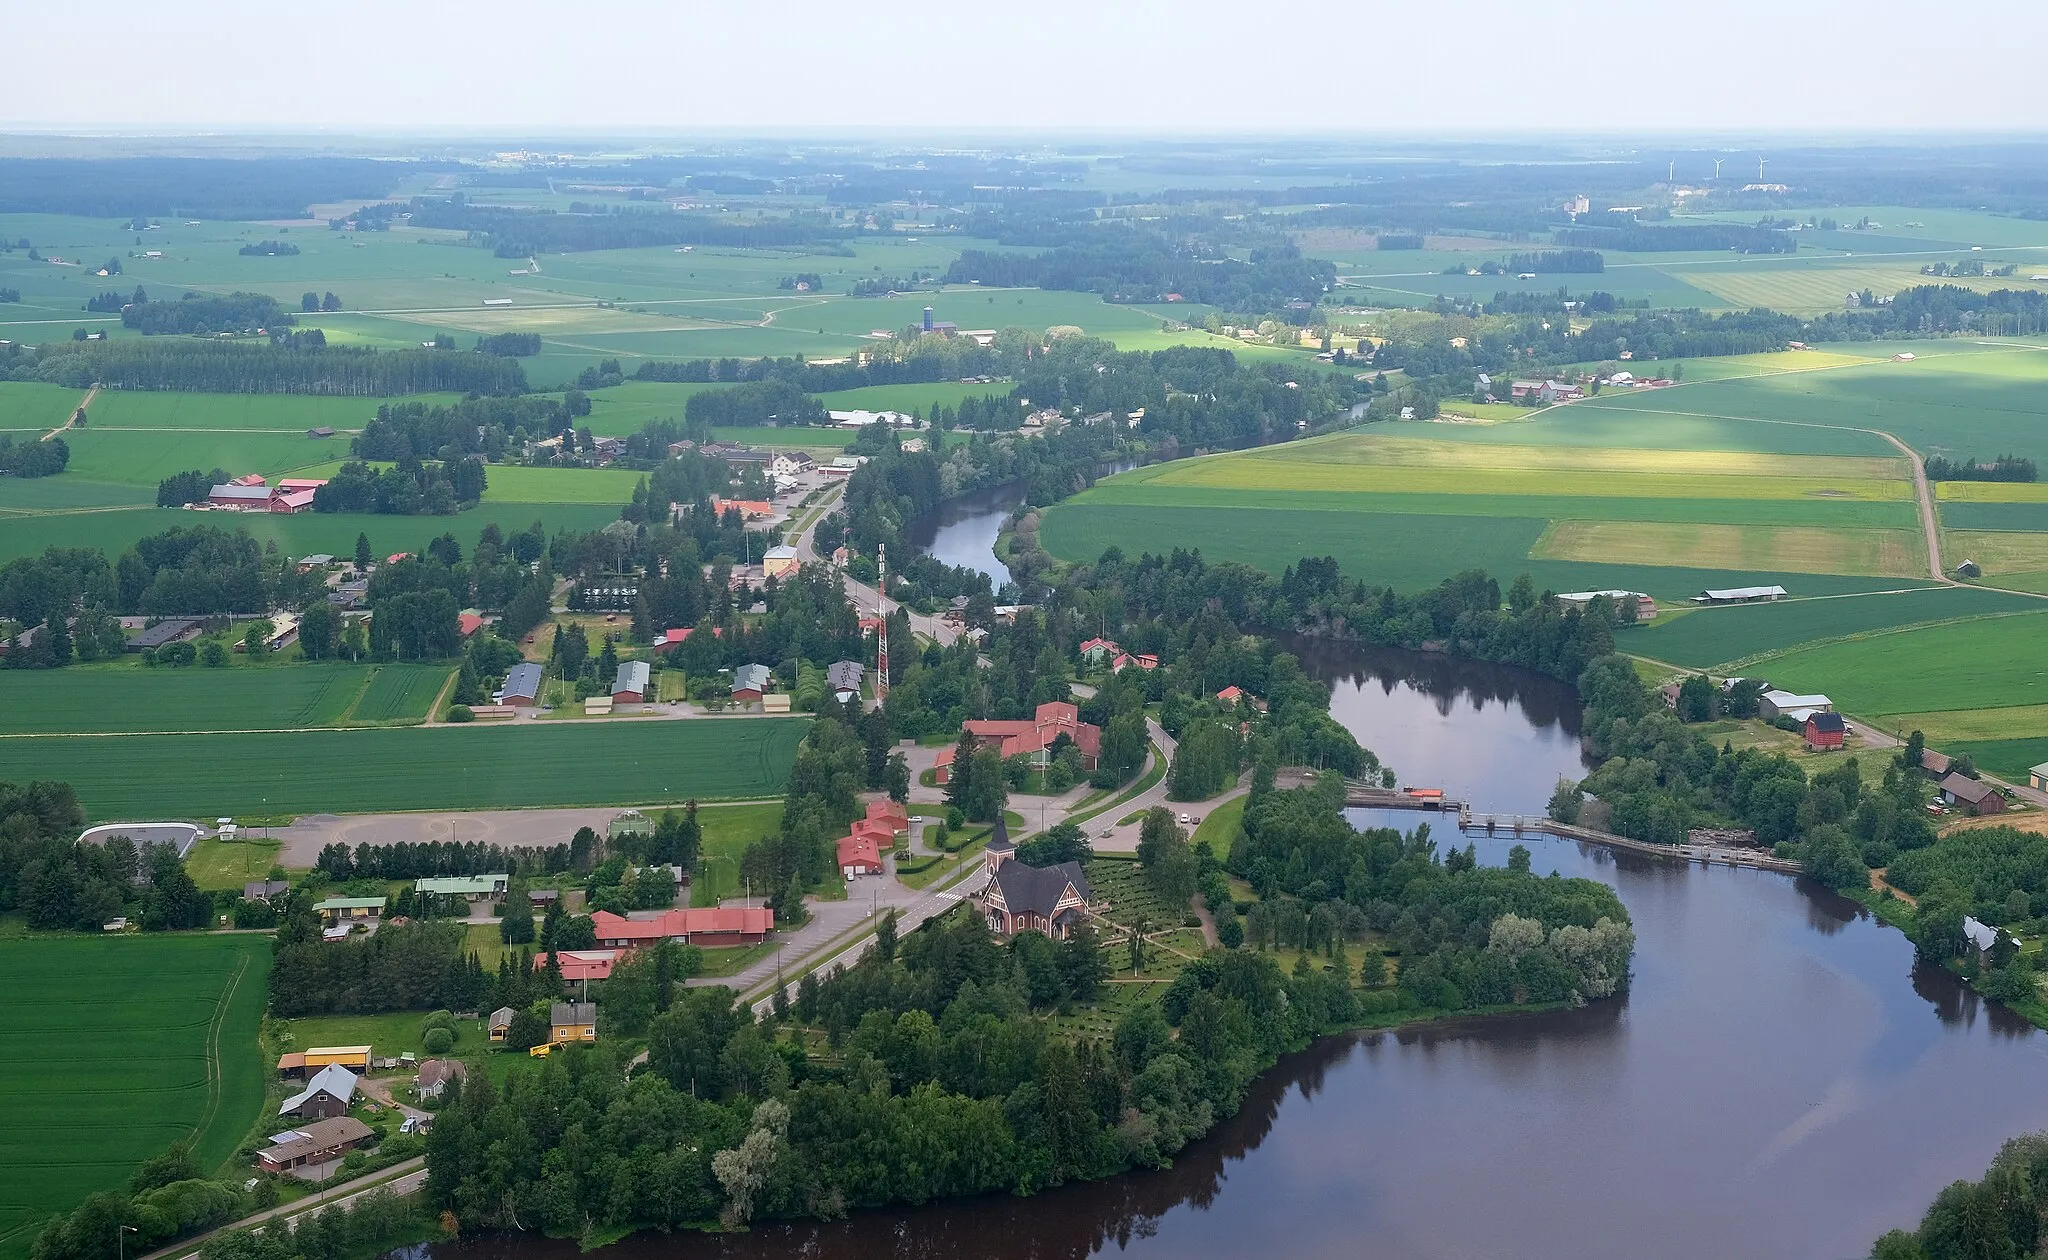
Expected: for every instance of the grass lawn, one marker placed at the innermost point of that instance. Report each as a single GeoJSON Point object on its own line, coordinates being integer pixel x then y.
{"type": "Point", "coordinates": [388, 1034]}
{"type": "Point", "coordinates": [143, 457]}
{"type": "Point", "coordinates": [229, 864]}
{"type": "Point", "coordinates": [2009, 759]}
{"type": "Point", "coordinates": [727, 831]}
{"type": "Point", "coordinates": [417, 768]}
{"type": "Point", "coordinates": [400, 693]}
{"type": "Point", "coordinates": [1222, 826]}
{"type": "Point", "coordinates": [146, 1040]}
{"type": "Point", "coordinates": [731, 960]}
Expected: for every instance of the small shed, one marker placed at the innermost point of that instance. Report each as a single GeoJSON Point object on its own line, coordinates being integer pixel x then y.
{"type": "Point", "coordinates": [2037, 778]}
{"type": "Point", "coordinates": [500, 1023]}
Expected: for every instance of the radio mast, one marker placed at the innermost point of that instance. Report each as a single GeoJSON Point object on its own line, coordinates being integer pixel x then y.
{"type": "Point", "coordinates": [882, 611]}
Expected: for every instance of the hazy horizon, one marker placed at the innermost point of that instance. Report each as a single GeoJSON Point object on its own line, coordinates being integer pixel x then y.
{"type": "Point", "coordinates": [1196, 68]}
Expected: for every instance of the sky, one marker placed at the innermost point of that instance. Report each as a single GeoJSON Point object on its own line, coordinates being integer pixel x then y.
{"type": "Point", "coordinates": [1363, 67]}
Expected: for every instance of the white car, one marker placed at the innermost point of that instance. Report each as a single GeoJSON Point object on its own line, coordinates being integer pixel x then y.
{"type": "Point", "coordinates": [1185, 820]}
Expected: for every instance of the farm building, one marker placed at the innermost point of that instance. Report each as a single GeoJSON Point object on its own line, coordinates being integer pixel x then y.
{"type": "Point", "coordinates": [345, 910]}
{"type": "Point", "coordinates": [316, 1143]}
{"type": "Point", "coordinates": [435, 1075]}
{"type": "Point", "coordinates": [709, 927]}
{"type": "Point", "coordinates": [355, 1058]}
{"type": "Point", "coordinates": [779, 562]}
{"type": "Point", "coordinates": [264, 889]}
{"type": "Point", "coordinates": [522, 686]}
{"type": "Point", "coordinates": [290, 502]}
{"type": "Point", "coordinates": [1974, 795]}
{"type": "Point", "coordinates": [237, 495]}
{"type": "Point", "coordinates": [1774, 704]}
{"type": "Point", "coordinates": [320, 431]}
{"type": "Point", "coordinates": [859, 855]}
{"type": "Point", "coordinates": [471, 888]}
{"type": "Point", "coordinates": [329, 1093]}
{"type": "Point", "coordinates": [631, 685]}
{"type": "Point", "coordinates": [2037, 778]}
{"type": "Point", "coordinates": [1936, 764]}
{"type": "Point", "coordinates": [844, 679]}
{"type": "Point", "coordinates": [467, 624]}
{"type": "Point", "coordinates": [500, 1023]}
{"type": "Point", "coordinates": [572, 1021]}
{"type": "Point", "coordinates": [1048, 899]}
{"type": "Point", "coordinates": [1033, 737]}
{"type": "Point", "coordinates": [1824, 730]}
{"type": "Point", "coordinates": [1741, 595]}
{"type": "Point", "coordinates": [597, 706]}
{"type": "Point", "coordinates": [750, 683]}
{"type": "Point", "coordinates": [1645, 607]}
{"type": "Point", "coordinates": [169, 630]}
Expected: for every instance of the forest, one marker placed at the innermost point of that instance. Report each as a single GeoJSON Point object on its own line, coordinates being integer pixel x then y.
{"type": "Point", "coordinates": [30, 458]}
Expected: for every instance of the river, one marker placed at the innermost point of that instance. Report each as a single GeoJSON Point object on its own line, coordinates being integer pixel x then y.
{"type": "Point", "coordinates": [1781, 1080]}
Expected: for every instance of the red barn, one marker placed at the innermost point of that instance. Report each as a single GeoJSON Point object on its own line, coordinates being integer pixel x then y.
{"type": "Point", "coordinates": [1824, 731]}
{"type": "Point", "coordinates": [859, 855]}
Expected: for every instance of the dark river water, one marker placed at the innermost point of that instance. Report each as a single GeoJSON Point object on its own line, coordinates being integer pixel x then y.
{"type": "Point", "coordinates": [963, 531]}
{"type": "Point", "coordinates": [1780, 1081]}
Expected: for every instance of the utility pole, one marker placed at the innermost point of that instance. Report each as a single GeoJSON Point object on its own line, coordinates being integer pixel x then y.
{"type": "Point", "coordinates": [882, 634]}
{"type": "Point", "coordinates": [120, 1240]}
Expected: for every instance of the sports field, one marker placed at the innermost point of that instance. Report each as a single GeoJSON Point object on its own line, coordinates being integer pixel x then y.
{"type": "Point", "coordinates": [414, 768]}
{"type": "Point", "coordinates": [116, 1048]}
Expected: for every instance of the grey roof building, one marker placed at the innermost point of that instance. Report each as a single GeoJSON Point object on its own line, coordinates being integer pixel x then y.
{"type": "Point", "coordinates": [844, 678]}
{"type": "Point", "coordinates": [1048, 899]}
{"type": "Point", "coordinates": [264, 889]}
{"type": "Point", "coordinates": [522, 685]}
{"type": "Point", "coordinates": [755, 678]}
{"type": "Point", "coordinates": [633, 677]}
{"type": "Point", "coordinates": [327, 1094]}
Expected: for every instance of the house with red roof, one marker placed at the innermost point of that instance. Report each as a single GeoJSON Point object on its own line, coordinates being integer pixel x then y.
{"type": "Point", "coordinates": [1095, 651]}
{"type": "Point", "coordinates": [581, 964]}
{"type": "Point", "coordinates": [468, 624]}
{"type": "Point", "coordinates": [895, 813]}
{"type": "Point", "coordinates": [288, 502]}
{"type": "Point", "coordinates": [859, 855]}
{"type": "Point", "coordinates": [707, 927]}
{"type": "Point", "coordinates": [1032, 737]}
{"type": "Point", "coordinates": [1124, 661]}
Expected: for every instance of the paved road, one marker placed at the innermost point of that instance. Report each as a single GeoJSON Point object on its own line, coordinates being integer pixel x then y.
{"type": "Point", "coordinates": [866, 597]}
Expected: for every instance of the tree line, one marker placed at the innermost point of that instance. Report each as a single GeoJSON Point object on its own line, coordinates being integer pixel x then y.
{"type": "Point", "coordinates": [236, 312]}
{"type": "Point", "coordinates": [2004, 468]}
{"type": "Point", "coordinates": [237, 367]}
{"type": "Point", "coordinates": [57, 884]}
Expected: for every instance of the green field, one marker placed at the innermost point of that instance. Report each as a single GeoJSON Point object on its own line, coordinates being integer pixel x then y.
{"type": "Point", "coordinates": [65, 492]}
{"type": "Point", "coordinates": [305, 533]}
{"type": "Point", "coordinates": [117, 1048]}
{"type": "Point", "coordinates": [2009, 759]}
{"type": "Point", "coordinates": [282, 413]}
{"type": "Point", "coordinates": [143, 457]}
{"type": "Point", "coordinates": [128, 698]}
{"type": "Point", "coordinates": [506, 484]}
{"type": "Point", "coordinates": [34, 407]}
{"type": "Point", "coordinates": [1984, 664]}
{"type": "Point", "coordinates": [416, 768]}
{"type": "Point", "coordinates": [1713, 636]}
{"type": "Point", "coordinates": [728, 830]}
{"type": "Point", "coordinates": [400, 693]}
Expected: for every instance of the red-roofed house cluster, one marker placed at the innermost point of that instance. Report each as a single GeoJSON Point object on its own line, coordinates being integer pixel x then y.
{"type": "Point", "coordinates": [1097, 651]}
{"type": "Point", "coordinates": [861, 849]}
{"type": "Point", "coordinates": [1032, 736]}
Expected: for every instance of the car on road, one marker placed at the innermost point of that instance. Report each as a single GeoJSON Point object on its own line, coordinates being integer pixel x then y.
{"type": "Point", "coordinates": [1185, 820]}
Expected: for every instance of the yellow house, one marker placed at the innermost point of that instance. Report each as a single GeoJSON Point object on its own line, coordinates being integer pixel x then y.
{"type": "Point", "coordinates": [354, 1058]}
{"type": "Point", "coordinates": [572, 1021]}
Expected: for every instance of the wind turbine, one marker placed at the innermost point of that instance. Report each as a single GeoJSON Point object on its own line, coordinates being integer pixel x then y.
{"type": "Point", "coordinates": [1717, 167]}
{"type": "Point", "coordinates": [1670, 171]}
{"type": "Point", "coordinates": [1760, 168]}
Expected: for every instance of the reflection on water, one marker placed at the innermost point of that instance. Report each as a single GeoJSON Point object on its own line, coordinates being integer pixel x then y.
{"type": "Point", "coordinates": [963, 531]}
{"type": "Point", "coordinates": [1781, 1080]}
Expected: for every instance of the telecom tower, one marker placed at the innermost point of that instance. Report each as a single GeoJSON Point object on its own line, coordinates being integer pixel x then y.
{"type": "Point", "coordinates": [882, 634]}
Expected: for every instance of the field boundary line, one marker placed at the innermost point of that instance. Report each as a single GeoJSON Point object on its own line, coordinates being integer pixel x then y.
{"type": "Point", "coordinates": [213, 1067]}
{"type": "Point", "coordinates": [361, 690]}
